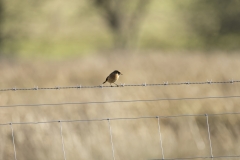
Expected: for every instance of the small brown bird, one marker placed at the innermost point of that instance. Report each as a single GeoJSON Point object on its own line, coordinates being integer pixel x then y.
{"type": "Point", "coordinates": [113, 77]}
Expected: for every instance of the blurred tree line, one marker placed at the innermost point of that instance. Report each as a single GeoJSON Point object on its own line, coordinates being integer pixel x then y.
{"type": "Point", "coordinates": [216, 22]}
{"type": "Point", "coordinates": [29, 25]}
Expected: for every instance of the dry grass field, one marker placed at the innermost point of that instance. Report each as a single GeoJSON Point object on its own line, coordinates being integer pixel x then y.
{"type": "Point", "coordinates": [133, 139]}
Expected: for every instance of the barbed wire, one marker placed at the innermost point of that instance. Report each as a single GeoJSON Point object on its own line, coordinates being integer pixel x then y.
{"type": "Point", "coordinates": [123, 101]}
{"type": "Point", "coordinates": [122, 85]}
{"type": "Point", "coordinates": [125, 118]}
{"type": "Point", "coordinates": [130, 118]}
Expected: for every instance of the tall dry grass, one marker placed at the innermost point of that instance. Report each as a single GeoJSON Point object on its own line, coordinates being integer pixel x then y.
{"type": "Point", "coordinates": [133, 139]}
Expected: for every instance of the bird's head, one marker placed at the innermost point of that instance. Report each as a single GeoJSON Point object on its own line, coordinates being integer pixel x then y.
{"type": "Point", "coordinates": [117, 72]}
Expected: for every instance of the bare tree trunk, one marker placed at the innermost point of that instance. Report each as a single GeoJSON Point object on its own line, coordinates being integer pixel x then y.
{"type": "Point", "coordinates": [123, 23]}
{"type": "Point", "coordinates": [135, 21]}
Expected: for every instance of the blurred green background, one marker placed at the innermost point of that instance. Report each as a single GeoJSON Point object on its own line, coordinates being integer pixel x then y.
{"type": "Point", "coordinates": [59, 28]}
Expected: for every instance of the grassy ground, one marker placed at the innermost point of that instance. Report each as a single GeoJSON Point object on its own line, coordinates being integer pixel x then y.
{"type": "Point", "coordinates": [133, 139]}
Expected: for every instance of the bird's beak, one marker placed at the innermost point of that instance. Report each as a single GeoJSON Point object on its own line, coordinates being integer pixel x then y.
{"type": "Point", "coordinates": [121, 74]}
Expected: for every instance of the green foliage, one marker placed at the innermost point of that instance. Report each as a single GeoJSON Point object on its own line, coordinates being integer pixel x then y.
{"type": "Point", "coordinates": [60, 28]}
{"type": "Point", "coordinates": [1, 22]}
{"type": "Point", "coordinates": [216, 22]}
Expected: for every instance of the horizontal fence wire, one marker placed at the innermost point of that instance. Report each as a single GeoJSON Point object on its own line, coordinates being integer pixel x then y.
{"type": "Point", "coordinates": [123, 101]}
{"type": "Point", "coordinates": [121, 118]}
{"type": "Point", "coordinates": [204, 157]}
{"type": "Point", "coordinates": [122, 85]}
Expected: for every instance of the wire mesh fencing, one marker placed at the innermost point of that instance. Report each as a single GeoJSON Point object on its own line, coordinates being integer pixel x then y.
{"type": "Point", "coordinates": [161, 139]}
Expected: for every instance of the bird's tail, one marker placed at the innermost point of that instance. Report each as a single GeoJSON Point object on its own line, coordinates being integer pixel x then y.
{"type": "Point", "coordinates": [106, 80]}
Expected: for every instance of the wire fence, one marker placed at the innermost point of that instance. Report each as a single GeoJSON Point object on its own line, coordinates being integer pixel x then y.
{"type": "Point", "coordinates": [120, 101]}
{"type": "Point", "coordinates": [158, 118]}
{"type": "Point", "coordinates": [122, 85]}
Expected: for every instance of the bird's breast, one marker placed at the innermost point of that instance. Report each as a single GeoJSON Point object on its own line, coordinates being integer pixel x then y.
{"type": "Point", "coordinates": [113, 77]}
